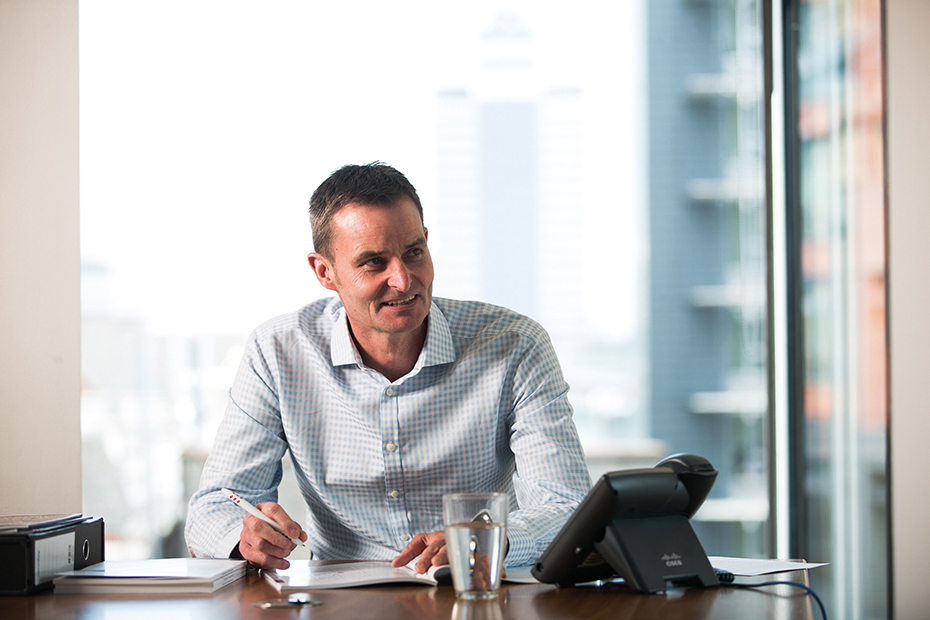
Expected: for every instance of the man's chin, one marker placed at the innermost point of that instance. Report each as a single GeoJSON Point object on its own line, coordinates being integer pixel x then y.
{"type": "Point", "coordinates": [403, 319]}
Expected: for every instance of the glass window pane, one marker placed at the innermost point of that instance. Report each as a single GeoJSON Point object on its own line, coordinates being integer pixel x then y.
{"type": "Point", "coordinates": [707, 270]}
{"type": "Point", "coordinates": [841, 188]}
{"type": "Point", "coordinates": [599, 169]}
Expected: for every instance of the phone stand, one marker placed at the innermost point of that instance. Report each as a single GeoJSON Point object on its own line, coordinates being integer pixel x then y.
{"type": "Point", "coordinates": [635, 524]}
{"type": "Point", "coordinates": [649, 552]}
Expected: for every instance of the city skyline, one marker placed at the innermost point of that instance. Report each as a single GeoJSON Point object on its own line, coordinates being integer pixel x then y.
{"type": "Point", "coordinates": [187, 249]}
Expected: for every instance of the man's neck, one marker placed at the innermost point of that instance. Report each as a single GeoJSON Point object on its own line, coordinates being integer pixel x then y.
{"type": "Point", "coordinates": [393, 355]}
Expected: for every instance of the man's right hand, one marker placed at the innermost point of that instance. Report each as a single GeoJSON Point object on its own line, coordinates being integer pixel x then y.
{"type": "Point", "coordinates": [262, 545]}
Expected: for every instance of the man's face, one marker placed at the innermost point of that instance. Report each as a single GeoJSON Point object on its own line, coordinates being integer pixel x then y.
{"type": "Point", "coordinates": [381, 268]}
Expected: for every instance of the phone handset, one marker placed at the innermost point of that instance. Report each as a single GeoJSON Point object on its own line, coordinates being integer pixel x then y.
{"type": "Point", "coordinates": [696, 474]}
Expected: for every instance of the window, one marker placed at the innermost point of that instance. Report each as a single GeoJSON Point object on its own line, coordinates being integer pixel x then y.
{"type": "Point", "coordinates": [841, 398]}
{"type": "Point", "coordinates": [599, 169]}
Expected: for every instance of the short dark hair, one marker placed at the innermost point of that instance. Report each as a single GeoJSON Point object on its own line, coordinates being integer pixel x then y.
{"type": "Point", "coordinates": [368, 184]}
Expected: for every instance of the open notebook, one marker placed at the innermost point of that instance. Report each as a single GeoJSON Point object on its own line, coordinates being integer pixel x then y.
{"type": "Point", "coordinates": [310, 575]}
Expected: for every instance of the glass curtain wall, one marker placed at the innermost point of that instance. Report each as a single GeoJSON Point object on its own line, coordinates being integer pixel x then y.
{"type": "Point", "coordinates": [707, 351]}
{"type": "Point", "coordinates": [840, 211]}
{"type": "Point", "coordinates": [597, 167]}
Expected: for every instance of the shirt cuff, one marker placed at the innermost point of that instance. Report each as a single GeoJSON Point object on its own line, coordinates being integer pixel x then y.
{"type": "Point", "coordinates": [522, 551]}
{"type": "Point", "coordinates": [226, 545]}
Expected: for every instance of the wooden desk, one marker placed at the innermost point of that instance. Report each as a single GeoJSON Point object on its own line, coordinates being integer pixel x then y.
{"type": "Point", "coordinates": [516, 601]}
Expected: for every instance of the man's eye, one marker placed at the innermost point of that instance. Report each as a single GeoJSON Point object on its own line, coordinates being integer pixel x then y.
{"type": "Point", "coordinates": [415, 253]}
{"type": "Point", "coordinates": [375, 262]}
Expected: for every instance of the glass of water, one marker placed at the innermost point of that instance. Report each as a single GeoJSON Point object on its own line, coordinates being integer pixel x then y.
{"type": "Point", "coordinates": [476, 527]}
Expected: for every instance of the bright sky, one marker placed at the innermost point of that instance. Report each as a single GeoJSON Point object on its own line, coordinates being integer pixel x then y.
{"type": "Point", "coordinates": [206, 125]}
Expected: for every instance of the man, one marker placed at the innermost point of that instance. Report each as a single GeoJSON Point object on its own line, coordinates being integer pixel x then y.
{"type": "Point", "coordinates": [386, 399]}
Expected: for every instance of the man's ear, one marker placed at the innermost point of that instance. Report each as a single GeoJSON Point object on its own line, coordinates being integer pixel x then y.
{"type": "Point", "coordinates": [322, 269]}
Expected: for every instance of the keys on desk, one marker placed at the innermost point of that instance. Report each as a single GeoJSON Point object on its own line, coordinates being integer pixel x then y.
{"type": "Point", "coordinates": [298, 599]}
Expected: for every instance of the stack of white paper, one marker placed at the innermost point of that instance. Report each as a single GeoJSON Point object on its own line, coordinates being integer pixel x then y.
{"type": "Point", "coordinates": [168, 576]}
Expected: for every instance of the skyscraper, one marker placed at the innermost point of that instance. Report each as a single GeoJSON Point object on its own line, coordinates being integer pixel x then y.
{"type": "Point", "coordinates": [707, 259]}
{"type": "Point", "coordinates": [512, 226]}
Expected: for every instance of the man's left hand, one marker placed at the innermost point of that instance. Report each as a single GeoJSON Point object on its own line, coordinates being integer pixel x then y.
{"type": "Point", "coordinates": [430, 547]}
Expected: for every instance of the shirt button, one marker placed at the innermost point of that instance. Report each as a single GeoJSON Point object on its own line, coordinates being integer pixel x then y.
{"type": "Point", "coordinates": [389, 391]}
{"type": "Point", "coordinates": [391, 447]}
{"type": "Point", "coordinates": [395, 493]}
{"type": "Point", "coordinates": [405, 537]}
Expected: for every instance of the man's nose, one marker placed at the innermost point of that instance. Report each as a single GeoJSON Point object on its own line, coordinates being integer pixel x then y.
{"type": "Point", "coordinates": [398, 275]}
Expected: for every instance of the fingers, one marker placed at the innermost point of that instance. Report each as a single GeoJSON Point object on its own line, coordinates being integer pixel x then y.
{"type": "Point", "coordinates": [412, 550]}
{"type": "Point", "coordinates": [270, 558]}
{"type": "Point", "coordinates": [280, 516]}
{"type": "Point", "coordinates": [264, 546]}
{"type": "Point", "coordinates": [442, 556]}
{"type": "Point", "coordinates": [430, 547]}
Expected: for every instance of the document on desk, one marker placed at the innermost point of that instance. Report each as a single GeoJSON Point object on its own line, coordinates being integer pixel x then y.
{"type": "Point", "coordinates": [161, 576]}
{"type": "Point", "coordinates": [749, 567]}
{"type": "Point", "coordinates": [10, 524]}
{"type": "Point", "coordinates": [316, 575]}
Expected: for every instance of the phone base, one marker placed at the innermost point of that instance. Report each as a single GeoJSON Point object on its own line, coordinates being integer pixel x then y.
{"type": "Point", "coordinates": [650, 552]}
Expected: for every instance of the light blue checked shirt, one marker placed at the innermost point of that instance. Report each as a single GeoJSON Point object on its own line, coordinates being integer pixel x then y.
{"type": "Point", "coordinates": [485, 408]}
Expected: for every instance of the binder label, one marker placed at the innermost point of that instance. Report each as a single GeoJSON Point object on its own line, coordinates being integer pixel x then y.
{"type": "Point", "coordinates": [53, 555]}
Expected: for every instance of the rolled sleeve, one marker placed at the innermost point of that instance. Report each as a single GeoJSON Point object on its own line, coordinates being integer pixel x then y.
{"type": "Point", "coordinates": [246, 457]}
{"type": "Point", "coordinates": [551, 476]}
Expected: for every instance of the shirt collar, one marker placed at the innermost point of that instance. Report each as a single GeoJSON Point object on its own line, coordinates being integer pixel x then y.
{"type": "Point", "coordinates": [342, 349]}
{"type": "Point", "coordinates": [438, 349]}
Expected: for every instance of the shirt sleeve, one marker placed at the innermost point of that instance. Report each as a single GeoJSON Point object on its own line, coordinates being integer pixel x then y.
{"type": "Point", "coordinates": [551, 476]}
{"type": "Point", "coordinates": [245, 458]}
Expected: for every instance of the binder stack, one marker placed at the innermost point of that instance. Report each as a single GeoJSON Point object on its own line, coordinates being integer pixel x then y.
{"type": "Point", "coordinates": [33, 549]}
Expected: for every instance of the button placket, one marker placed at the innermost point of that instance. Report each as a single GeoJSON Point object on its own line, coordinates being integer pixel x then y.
{"type": "Point", "coordinates": [393, 480]}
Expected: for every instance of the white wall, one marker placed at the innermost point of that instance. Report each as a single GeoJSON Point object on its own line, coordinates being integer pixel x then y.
{"type": "Point", "coordinates": [40, 315]}
{"type": "Point", "coordinates": [907, 24]}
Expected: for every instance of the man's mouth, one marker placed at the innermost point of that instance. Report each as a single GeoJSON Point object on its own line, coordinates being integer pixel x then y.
{"type": "Point", "coordinates": [400, 302]}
